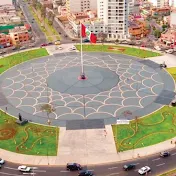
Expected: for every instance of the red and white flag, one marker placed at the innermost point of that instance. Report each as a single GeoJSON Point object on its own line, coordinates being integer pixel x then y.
{"type": "Point", "coordinates": [86, 33]}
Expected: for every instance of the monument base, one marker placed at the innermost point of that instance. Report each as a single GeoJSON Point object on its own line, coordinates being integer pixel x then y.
{"type": "Point", "coordinates": [22, 122]}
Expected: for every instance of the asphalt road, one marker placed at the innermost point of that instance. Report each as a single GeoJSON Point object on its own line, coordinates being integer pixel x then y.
{"type": "Point", "coordinates": [157, 164]}
{"type": "Point", "coordinates": [38, 34]}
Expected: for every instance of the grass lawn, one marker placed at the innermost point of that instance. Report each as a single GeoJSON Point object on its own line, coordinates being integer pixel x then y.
{"type": "Point", "coordinates": [10, 61]}
{"type": "Point", "coordinates": [152, 129]}
{"type": "Point", "coordinates": [29, 139]}
{"type": "Point", "coordinates": [169, 173]}
{"type": "Point", "coordinates": [119, 50]}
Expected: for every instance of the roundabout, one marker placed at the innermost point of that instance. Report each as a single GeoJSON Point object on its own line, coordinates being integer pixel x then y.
{"type": "Point", "coordinates": [116, 87]}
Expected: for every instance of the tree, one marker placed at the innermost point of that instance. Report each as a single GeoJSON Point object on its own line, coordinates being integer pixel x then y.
{"type": "Point", "coordinates": [43, 12]}
{"type": "Point", "coordinates": [50, 17]}
{"type": "Point", "coordinates": [102, 36]}
{"type": "Point", "coordinates": [34, 3]}
{"type": "Point", "coordinates": [157, 34]}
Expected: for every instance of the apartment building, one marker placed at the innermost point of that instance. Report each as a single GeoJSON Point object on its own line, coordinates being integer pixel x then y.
{"type": "Point", "coordinates": [159, 3]}
{"type": "Point", "coordinates": [5, 40]}
{"type": "Point", "coordinates": [114, 14]}
{"type": "Point", "coordinates": [19, 35]}
{"type": "Point", "coordinates": [139, 28]}
{"type": "Point", "coordinates": [172, 3]}
{"type": "Point", "coordinates": [80, 5]}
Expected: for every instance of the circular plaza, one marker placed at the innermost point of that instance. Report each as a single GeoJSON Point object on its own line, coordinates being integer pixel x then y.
{"type": "Point", "coordinates": [116, 87]}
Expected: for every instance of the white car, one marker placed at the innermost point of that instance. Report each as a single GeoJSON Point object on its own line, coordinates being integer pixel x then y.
{"type": "Point", "coordinates": [144, 170]}
{"type": "Point", "coordinates": [23, 47]}
{"type": "Point", "coordinates": [24, 169]}
{"type": "Point", "coordinates": [72, 48]}
{"type": "Point", "coordinates": [60, 48]}
{"type": "Point", "coordinates": [169, 51]}
{"type": "Point", "coordinates": [157, 48]}
{"type": "Point", "coordinates": [1, 161]}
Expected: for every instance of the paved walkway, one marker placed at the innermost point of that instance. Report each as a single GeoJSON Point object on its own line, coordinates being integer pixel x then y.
{"type": "Point", "coordinates": [94, 146]}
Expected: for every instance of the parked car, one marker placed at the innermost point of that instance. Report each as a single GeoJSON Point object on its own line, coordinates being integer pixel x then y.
{"type": "Point", "coordinates": [15, 48]}
{"type": "Point", "coordinates": [73, 166]}
{"type": "Point", "coordinates": [2, 52]}
{"type": "Point", "coordinates": [127, 167]}
{"type": "Point", "coordinates": [169, 51]}
{"type": "Point", "coordinates": [60, 48]}
{"type": "Point", "coordinates": [164, 154]}
{"type": "Point", "coordinates": [44, 44]}
{"type": "Point", "coordinates": [50, 43]}
{"type": "Point", "coordinates": [72, 48]}
{"type": "Point", "coordinates": [85, 173]}
{"type": "Point", "coordinates": [31, 45]}
{"type": "Point", "coordinates": [86, 40]}
{"type": "Point", "coordinates": [157, 48]}
{"type": "Point", "coordinates": [144, 170]}
{"type": "Point", "coordinates": [65, 36]}
{"type": "Point", "coordinates": [123, 42]}
{"type": "Point", "coordinates": [57, 42]}
{"type": "Point", "coordinates": [24, 168]}
{"type": "Point", "coordinates": [22, 47]}
{"type": "Point", "coordinates": [1, 161]}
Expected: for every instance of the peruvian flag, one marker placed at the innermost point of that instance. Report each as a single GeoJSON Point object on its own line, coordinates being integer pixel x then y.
{"type": "Point", "coordinates": [86, 33]}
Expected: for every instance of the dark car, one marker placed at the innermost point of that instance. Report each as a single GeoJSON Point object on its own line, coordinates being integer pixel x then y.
{"type": "Point", "coordinates": [65, 36]}
{"type": "Point", "coordinates": [164, 154]}
{"type": "Point", "coordinates": [86, 40]}
{"type": "Point", "coordinates": [14, 48]}
{"type": "Point", "coordinates": [85, 173]}
{"type": "Point", "coordinates": [44, 44]}
{"type": "Point", "coordinates": [127, 167]}
{"type": "Point", "coordinates": [50, 43]}
{"type": "Point", "coordinates": [73, 166]}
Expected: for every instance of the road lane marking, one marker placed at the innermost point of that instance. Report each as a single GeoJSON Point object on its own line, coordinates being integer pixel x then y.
{"type": "Point", "coordinates": [38, 170]}
{"type": "Point", "coordinates": [64, 171]}
{"type": "Point", "coordinates": [160, 164]}
{"type": "Point", "coordinates": [10, 168]}
{"type": "Point", "coordinates": [173, 154]}
{"type": "Point", "coordinates": [9, 174]}
{"type": "Point", "coordinates": [156, 159]}
{"type": "Point", "coordinates": [113, 168]}
{"type": "Point", "coordinates": [113, 174]}
{"type": "Point", "coordinates": [29, 173]}
{"type": "Point", "coordinates": [136, 163]}
{"type": "Point", "coordinates": [136, 170]}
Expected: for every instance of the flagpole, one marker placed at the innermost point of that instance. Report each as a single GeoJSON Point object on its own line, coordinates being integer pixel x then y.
{"type": "Point", "coordinates": [82, 62]}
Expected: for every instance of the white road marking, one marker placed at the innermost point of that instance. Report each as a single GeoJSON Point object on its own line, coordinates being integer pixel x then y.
{"type": "Point", "coordinates": [156, 159]}
{"type": "Point", "coordinates": [39, 171]}
{"type": "Point", "coordinates": [11, 168]}
{"type": "Point", "coordinates": [64, 171]}
{"type": "Point", "coordinates": [34, 167]}
{"type": "Point", "coordinates": [160, 164]}
{"type": "Point", "coordinates": [3, 173]}
{"type": "Point", "coordinates": [113, 168]}
{"type": "Point", "coordinates": [136, 163]}
{"type": "Point", "coordinates": [29, 173]}
{"type": "Point", "coordinates": [173, 154]}
{"type": "Point", "coordinates": [136, 170]}
{"type": "Point", "coordinates": [113, 174]}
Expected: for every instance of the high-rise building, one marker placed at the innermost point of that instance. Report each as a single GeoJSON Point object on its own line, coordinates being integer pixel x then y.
{"type": "Point", "coordinates": [114, 14]}
{"type": "Point", "coordinates": [172, 3]}
{"type": "Point", "coordinates": [3, 2]}
{"type": "Point", "coordinates": [80, 5]}
{"type": "Point", "coordinates": [159, 3]}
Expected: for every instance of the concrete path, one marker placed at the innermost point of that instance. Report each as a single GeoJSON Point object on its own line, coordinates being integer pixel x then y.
{"type": "Point", "coordinates": [169, 59]}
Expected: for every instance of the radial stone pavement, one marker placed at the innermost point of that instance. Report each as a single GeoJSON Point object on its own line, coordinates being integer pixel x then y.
{"type": "Point", "coordinates": [117, 87]}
